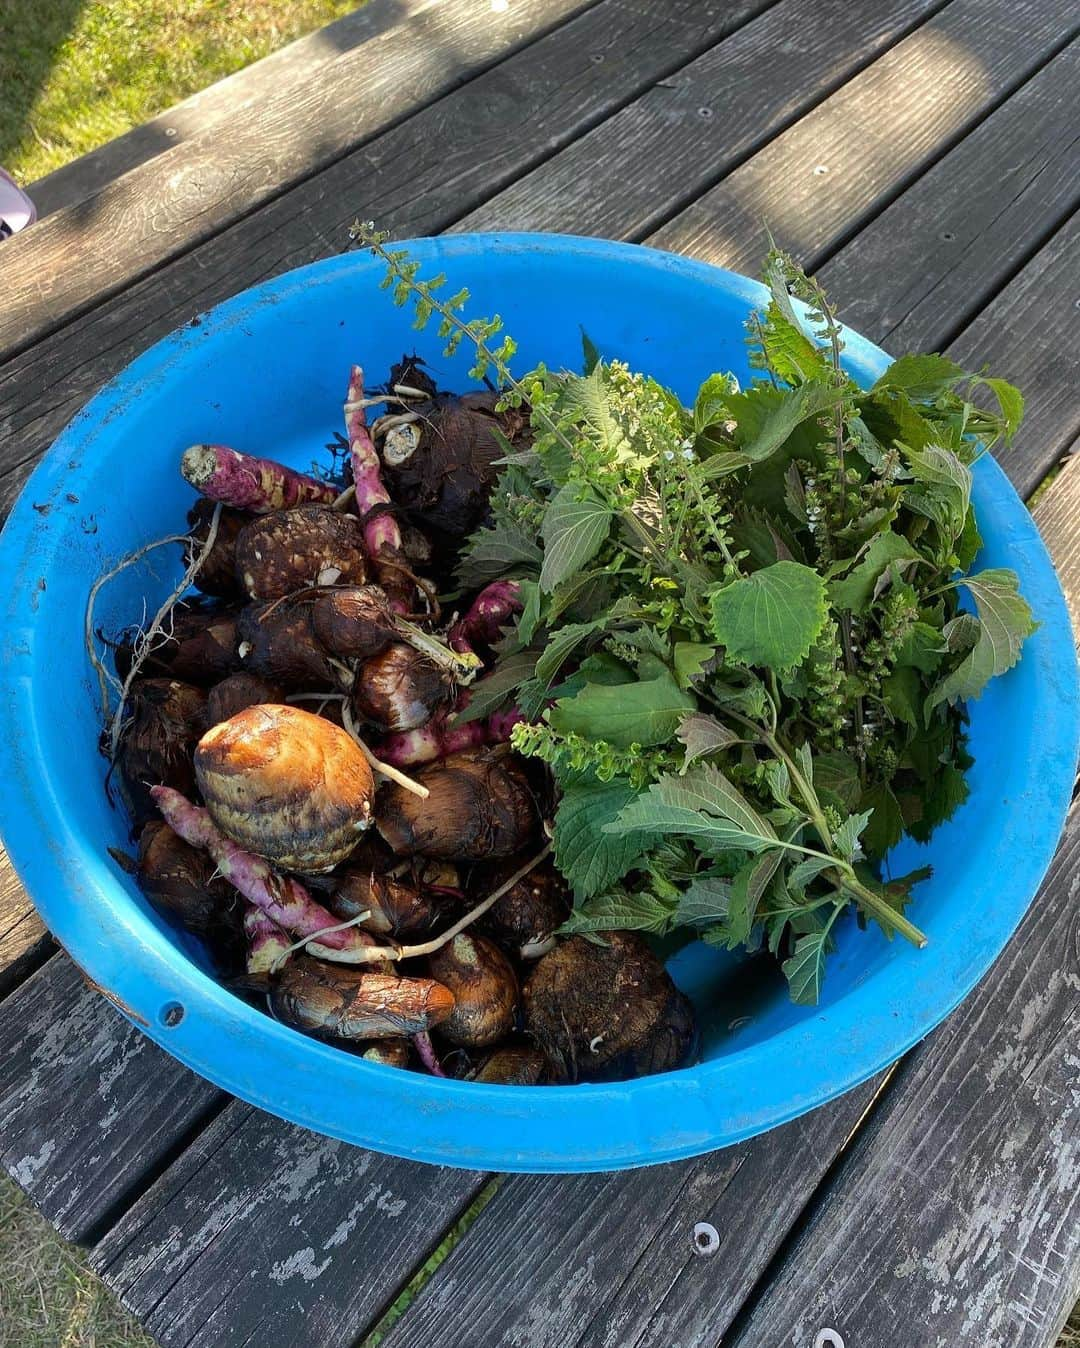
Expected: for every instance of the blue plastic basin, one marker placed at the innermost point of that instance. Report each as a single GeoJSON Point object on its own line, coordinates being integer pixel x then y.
{"type": "Point", "coordinates": [266, 372]}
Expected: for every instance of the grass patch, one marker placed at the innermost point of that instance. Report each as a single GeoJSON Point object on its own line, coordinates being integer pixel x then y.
{"type": "Point", "coordinates": [48, 1297]}
{"type": "Point", "coordinates": [76, 73]}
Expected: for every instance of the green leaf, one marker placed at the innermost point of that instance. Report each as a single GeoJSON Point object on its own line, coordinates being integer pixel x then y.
{"type": "Point", "coordinates": [705, 901]}
{"type": "Point", "coordinates": [530, 612]}
{"type": "Point", "coordinates": [710, 405]}
{"type": "Point", "coordinates": [902, 690]}
{"type": "Point", "coordinates": [789, 352]}
{"type": "Point", "coordinates": [847, 835]}
{"type": "Point", "coordinates": [892, 417]}
{"type": "Point", "coordinates": [703, 735]}
{"type": "Point", "coordinates": [886, 825]}
{"type": "Point", "coordinates": [1011, 402]}
{"type": "Point", "coordinates": [923, 648]}
{"type": "Point", "coordinates": [765, 417]}
{"type": "Point", "coordinates": [504, 549]}
{"type": "Point", "coordinates": [805, 759]}
{"type": "Point", "coordinates": [620, 911]}
{"type": "Point", "coordinates": [856, 590]}
{"type": "Point", "coordinates": [643, 713]}
{"type": "Point", "coordinates": [575, 527]}
{"type": "Point", "coordinates": [590, 858]}
{"type": "Point", "coordinates": [589, 354]}
{"type": "Point", "coordinates": [1004, 622]}
{"type": "Point", "coordinates": [562, 645]}
{"type": "Point", "coordinates": [807, 870]}
{"type": "Point", "coordinates": [489, 693]}
{"type": "Point", "coordinates": [943, 489]}
{"type": "Point", "coordinates": [689, 659]}
{"type": "Point", "coordinates": [921, 377]}
{"type": "Point", "coordinates": [771, 618]}
{"type": "Point", "coordinates": [805, 969]}
{"type": "Point", "coordinates": [837, 775]}
{"type": "Point", "coordinates": [945, 792]}
{"type": "Point", "coordinates": [703, 804]}
{"type": "Point", "coordinates": [969, 542]}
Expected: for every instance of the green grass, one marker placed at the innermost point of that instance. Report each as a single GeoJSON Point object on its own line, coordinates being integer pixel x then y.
{"type": "Point", "coordinates": [48, 1297]}
{"type": "Point", "coordinates": [76, 73]}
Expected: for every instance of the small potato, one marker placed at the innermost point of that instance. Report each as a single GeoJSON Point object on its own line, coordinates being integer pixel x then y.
{"type": "Point", "coordinates": [286, 785]}
{"type": "Point", "coordinates": [395, 908]}
{"type": "Point", "coordinates": [485, 991]}
{"type": "Point", "coordinates": [288, 550]}
{"type": "Point", "coordinates": [524, 919]}
{"type": "Point", "coordinates": [400, 689]}
{"type": "Point", "coordinates": [512, 1065]}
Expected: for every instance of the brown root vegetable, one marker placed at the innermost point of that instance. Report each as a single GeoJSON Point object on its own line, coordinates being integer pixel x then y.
{"type": "Point", "coordinates": [400, 689]}
{"type": "Point", "coordinates": [395, 908]}
{"type": "Point", "coordinates": [342, 1003]}
{"type": "Point", "coordinates": [353, 623]}
{"type": "Point", "coordinates": [485, 990]}
{"type": "Point", "coordinates": [443, 477]}
{"type": "Point", "coordinates": [291, 549]}
{"type": "Point", "coordinates": [286, 785]}
{"type": "Point", "coordinates": [512, 1065]}
{"type": "Point", "coordinates": [164, 718]}
{"type": "Point", "coordinates": [526, 917]}
{"type": "Point", "coordinates": [200, 645]}
{"type": "Point", "coordinates": [209, 654]}
{"type": "Point", "coordinates": [237, 693]}
{"type": "Point", "coordinates": [388, 1053]}
{"type": "Point", "coordinates": [416, 546]}
{"type": "Point", "coordinates": [480, 806]}
{"type": "Point", "coordinates": [217, 574]}
{"type": "Point", "coordinates": [607, 1011]}
{"type": "Point", "coordinates": [277, 643]}
{"type": "Point", "coordinates": [179, 879]}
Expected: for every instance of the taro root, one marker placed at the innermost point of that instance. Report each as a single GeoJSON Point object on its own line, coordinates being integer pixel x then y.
{"type": "Point", "coordinates": [442, 478]}
{"type": "Point", "coordinates": [210, 653]}
{"type": "Point", "coordinates": [400, 689]}
{"type": "Point", "coordinates": [163, 720]}
{"type": "Point", "coordinates": [607, 1011]}
{"type": "Point", "coordinates": [512, 1065]}
{"type": "Point", "coordinates": [217, 575]}
{"type": "Point", "coordinates": [479, 806]}
{"type": "Point", "coordinates": [388, 1053]}
{"type": "Point", "coordinates": [347, 1003]}
{"type": "Point", "coordinates": [291, 549]}
{"type": "Point", "coordinates": [485, 990]}
{"type": "Point", "coordinates": [524, 919]}
{"type": "Point", "coordinates": [395, 908]}
{"type": "Point", "coordinates": [417, 546]}
{"type": "Point", "coordinates": [237, 693]}
{"type": "Point", "coordinates": [277, 643]}
{"type": "Point", "coordinates": [179, 879]}
{"type": "Point", "coordinates": [353, 623]}
{"type": "Point", "coordinates": [286, 785]}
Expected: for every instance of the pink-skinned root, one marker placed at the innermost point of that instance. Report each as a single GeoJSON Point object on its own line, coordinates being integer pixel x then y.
{"type": "Point", "coordinates": [245, 482]}
{"type": "Point", "coordinates": [425, 1051]}
{"type": "Point", "coordinates": [382, 536]}
{"type": "Point", "coordinates": [441, 737]}
{"type": "Point", "coordinates": [267, 943]}
{"type": "Point", "coordinates": [491, 610]}
{"type": "Point", "coordinates": [283, 899]}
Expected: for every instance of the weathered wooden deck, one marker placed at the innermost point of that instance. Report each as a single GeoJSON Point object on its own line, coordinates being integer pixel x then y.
{"type": "Point", "coordinates": [921, 155]}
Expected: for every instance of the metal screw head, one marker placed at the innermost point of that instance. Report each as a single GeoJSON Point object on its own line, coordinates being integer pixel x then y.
{"type": "Point", "coordinates": [828, 1338]}
{"type": "Point", "coordinates": [706, 1239]}
{"type": "Point", "coordinates": [820, 170]}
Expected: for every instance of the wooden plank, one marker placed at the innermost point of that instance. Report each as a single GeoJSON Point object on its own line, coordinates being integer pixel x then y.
{"type": "Point", "coordinates": [88, 1105]}
{"type": "Point", "coordinates": [265, 1233]}
{"type": "Point", "coordinates": [459, 151]}
{"type": "Point", "coordinates": [609, 1259]}
{"type": "Point", "coordinates": [303, 60]}
{"type": "Point", "coordinates": [955, 1220]}
{"type": "Point", "coordinates": [826, 176]}
{"type": "Point", "coordinates": [699, 126]}
{"type": "Point", "coordinates": [924, 266]}
{"type": "Point", "coordinates": [1057, 513]}
{"type": "Point", "coordinates": [24, 942]}
{"type": "Point", "coordinates": [166, 206]}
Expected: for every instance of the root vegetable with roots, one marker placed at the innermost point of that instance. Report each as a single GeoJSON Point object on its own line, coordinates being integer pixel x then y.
{"type": "Point", "coordinates": [268, 946]}
{"type": "Point", "coordinates": [494, 608]}
{"type": "Point", "coordinates": [245, 482]}
{"type": "Point", "coordinates": [343, 1003]}
{"type": "Point", "coordinates": [287, 550]}
{"type": "Point", "coordinates": [400, 689]}
{"type": "Point", "coordinates": [382, 536]}
{"type": "Point", "coordinates": [443, 735]}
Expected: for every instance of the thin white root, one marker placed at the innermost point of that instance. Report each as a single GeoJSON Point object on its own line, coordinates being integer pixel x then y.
{"type": "Point", "coordinates": [345, 499]}
{"type": "Point", "coordinates": [407, 391]}
{"type": "Point", "coordinates": [377, 765]}
{"type": "Point", "coordinates": [313, 939]}
{"type": "Point", "coordinates": [388, 422]}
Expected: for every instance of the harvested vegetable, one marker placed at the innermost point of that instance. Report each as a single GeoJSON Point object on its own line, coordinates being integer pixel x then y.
{"type": "Point", "coordinates": [217, 575]}
{"type": "Point", "coordinates": [387, 1053]}
{"type": "Point", "coordinates": [277, 643]}
{"type": "Point", "coordinates": [237, 693]}
{"type": "Point", "coordinates": [400, 689]}
{"type": "Point", "coordinates": [527, 917]}
{"type": "Point", "coordinates": [342, 1003]}
{"type": "Point", "coordinates": [514, 1065]}
{"type": "Point", "coordinates": [288, 550]}
{"type": "Point", "coordinates": [164, 720]}
{"type": "Point", "coordinates": [393, 907]}
{"type": "Point", "coordinates": [248, 483]}
{"type": "Point", "coordinates": [287, 785]}
{"type": "Point", "coordinates": [485, 990]}
{"type": "Point", "coordinates": [179, 879]}
{"type": "Point", "coordinates": [268, 946]}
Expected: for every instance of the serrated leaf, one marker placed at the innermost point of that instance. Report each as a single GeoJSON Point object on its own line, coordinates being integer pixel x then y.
{"type": "Point", "coordinates": [805, 969]}
{"type": "Point", "coordinates": [562, 645]}
{"type": "Point", "coordinates": [703, 735]}
{"type": "Point", "coordinates": [576, 524]}
{"type": "Point", "coordinates": [710, 405]}
{"type": "Point", "coordinates": [589, 354]}
{"type": "Point", "coordinates": [689, 659]}
{"type": "Point", "coordinates": [921, 377]}
{"type": "Point", "coordinates": [504, 549]}
{"type": "Point", "coordinates": [645, 713]}
{"type": "Point", "coordinates": [704, 901]}
{"type": "Point", "coordinates": [1004, 622]}
{"type": "Point", "coordinates": [703, 804]}
{"type": "Point", "coordinates": [766, 417]}
{"type": "Point", "coordinates": [489, 693]}
{"type": "Point", "coordinates": [886, 824]}
{"type": "Point", "coordinates": [620, 911]}
{"type": "Point", "coordinates": [591, 859]}
{"type": "Point", "coordinates": [944, 793]}
{"type": "Point", "coordinates": [892, 417]}
{"type": "Point", "coordinates": [838, 775]}
{"type": "Point", "coordinates": [1011, 402]}
{"type": "Point", "coordinates": [847, 835]}
{"type": "Point", "coordinates": [530, 611]}
{"type": "Point", "coordinates": [901, 690]}
{"type": "Point", "coordinates": [856, 590]}
{"type": "Point", "coordinates": [942, 490]}
{"type": "Point", "coordinates": [805, 759]}
{"type": "Point", "coordinates": [771, 618]}
{"type": "Point", "coordinates": [807, 870]}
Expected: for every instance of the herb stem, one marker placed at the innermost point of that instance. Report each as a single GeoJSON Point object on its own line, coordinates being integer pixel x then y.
{"type": "Point", "coordinates": [877, 907]}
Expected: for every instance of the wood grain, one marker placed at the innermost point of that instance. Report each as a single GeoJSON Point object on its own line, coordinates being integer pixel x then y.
{"type": "Point", "coordinates": [301, 61]}
{"type": "Point", "coordinates": [610, 1260]}
{"type": "Point", "coordinates": [166, 206]}
{"type": "Point", "coordinates": [1057, 513]}
{"type": "Point", "coordinates": [265, 1233]}
{"type": "Point", "coordinates": [88, 1105]}
{"type": "Point", "coordinates": [24, 942]}
{"type": "Point", "coordinates": [821, 180]}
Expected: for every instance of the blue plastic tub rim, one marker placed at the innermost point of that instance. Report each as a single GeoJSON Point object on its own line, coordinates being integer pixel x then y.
{"type": "Point", "coordinates": [123, 947]}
